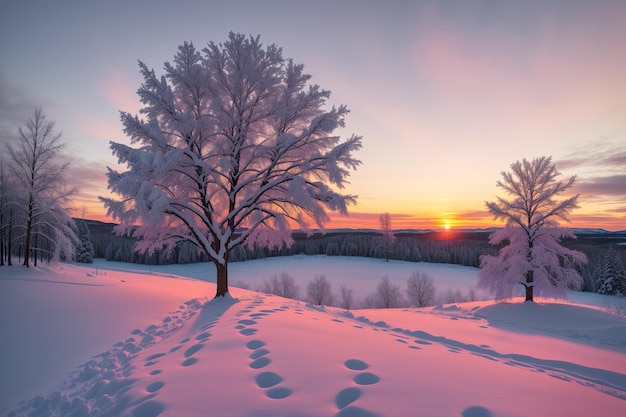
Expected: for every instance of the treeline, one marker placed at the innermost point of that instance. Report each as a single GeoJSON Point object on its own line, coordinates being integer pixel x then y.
{"type": "Point", "coordinates": [604, 273]}
{"type": "Point", "coordinates": [417, 247]}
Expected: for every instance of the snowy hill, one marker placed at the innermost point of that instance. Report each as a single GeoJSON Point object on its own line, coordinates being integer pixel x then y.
{"type": "Point", "coordinates": [151, 345]}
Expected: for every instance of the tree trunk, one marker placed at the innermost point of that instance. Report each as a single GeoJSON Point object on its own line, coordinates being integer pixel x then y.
{"type": "Point", "coordinates": [10, 239]}
{"type": "Point", "coordinates": [27, 249]}
{"type": "Point", "coordinates": [222, 280]}
{"type": "Point", "coordinates": [529, 286]}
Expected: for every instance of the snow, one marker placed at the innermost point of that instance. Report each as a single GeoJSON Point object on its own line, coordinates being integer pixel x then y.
{"type": "Point", "coordinates": [362, 275]}
{"type": "Point", "coordinates": [92, 340]}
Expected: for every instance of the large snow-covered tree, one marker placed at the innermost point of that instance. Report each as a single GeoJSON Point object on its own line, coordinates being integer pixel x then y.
{"type": "Point", "coordinates": [533, 257]}
{"type": "Point", "coordinates": [42, 200]}
{"type": "Point", "coordinates": [234, 147]}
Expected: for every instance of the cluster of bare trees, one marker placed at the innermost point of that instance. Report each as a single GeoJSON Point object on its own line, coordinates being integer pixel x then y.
{"type": "Point", "coordinates": [35, 223]}
{"type": "Point", "coordinates": [420, 291]}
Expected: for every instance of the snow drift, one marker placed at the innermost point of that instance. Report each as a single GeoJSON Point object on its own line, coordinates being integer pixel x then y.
{"type": "Point", "coordinates": [172, 353]}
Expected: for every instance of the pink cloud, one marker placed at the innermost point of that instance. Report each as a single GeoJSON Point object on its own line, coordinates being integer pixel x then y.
{"type": "Point", "coordinates": [119, 89]}
{"type": "Point", "coordinates": [562, 70]}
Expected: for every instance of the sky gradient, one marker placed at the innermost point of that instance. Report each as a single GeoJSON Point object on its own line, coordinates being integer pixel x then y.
{"type": "Point", "coordinates": [446, 94]}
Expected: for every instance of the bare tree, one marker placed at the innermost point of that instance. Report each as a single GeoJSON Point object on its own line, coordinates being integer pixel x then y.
{"type": "Point", "coordinates": [283, 286]}
{"type": "Point", "coordinates": [421, 289]}
{"type": "Point", "coordinates": [533, 257]}
{"type": "Point", "coordinates": [347, 300]}
{"type": "Point", "coordinates": [43, 201]}
{"type": "Point", "coordinates": [388, 295]}
{"type": "Point", "coordinates": [453, 296]}
{"type": "Point", "coordinates": [387, 237]}
{"type": "Point", "coordinates": [6, 213]}
{"type": "Point", "coordinates": [319, 292]}
{"type": "Point", "coordinates": [236, 147]}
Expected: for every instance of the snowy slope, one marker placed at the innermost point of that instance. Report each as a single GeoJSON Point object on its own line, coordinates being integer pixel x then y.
{"type": "Point", "coordinates": [148, 349]}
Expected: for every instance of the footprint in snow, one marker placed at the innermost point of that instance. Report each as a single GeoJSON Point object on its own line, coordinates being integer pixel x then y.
{"type": "Point", "coordinates": [266, 380]}
{"type": "Point", "coordinates": [155, 386]}
{"type": "Point", "coordinates": [189, 361]}
{"type": "Point", "coordinates": [192, 350]}
{"type": "Point", "coordinates": [151, 360]}
{"type": "Point", "coordinates": [258, 353]}
{"type": "Point", "coordinates": [346, 397]}
{"type": "Point", "coordinates": [356, 365]}
{"type": "Point", "coordinates": [278, 393]}
{"type": "Point", "coordinates": [366, 378]}
{"type": "Point", "coordinates": [262, 362]}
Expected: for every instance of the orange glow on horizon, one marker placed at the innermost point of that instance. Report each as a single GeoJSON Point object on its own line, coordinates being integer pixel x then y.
{"type": "Point", "coordinates": [444, 221]}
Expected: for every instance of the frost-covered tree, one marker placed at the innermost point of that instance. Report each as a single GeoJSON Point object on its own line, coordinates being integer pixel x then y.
{"type": "Point", "coordinates": [421, 289]}
{"type": "Point", "coordinates": [611, 279]}
{"type": "Point", "coordinates": [234, 147]}
{"type": "Point", "coordinates": [283, 286]}
{"type": "Point", "coordinates": [388, 294]}
{"type": "Point", "coordinates": [533, 256]}
{"type": "Point", "coordinates": [84, 249]}
{"type": "Point", "coordinates": [43, 198]}
{"type": "Point", "coordinates": [318, 291]}
{"type": "Point", "coordinates": [387, 236]}
{"type": "Point", "coordinates": [347, 300]}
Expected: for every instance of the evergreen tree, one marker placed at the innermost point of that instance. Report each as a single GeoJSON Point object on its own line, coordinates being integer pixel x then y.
{"type": "Point", "coordinates": [612, 277]}
{"type": "Point", "coordinates": [84, 250]}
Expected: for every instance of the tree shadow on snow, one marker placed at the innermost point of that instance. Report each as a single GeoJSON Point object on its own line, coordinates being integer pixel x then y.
{"type": "Point", "coordinates": [573, 323]}
{"type": "Point", "coordinates": [211, 311]}
{"type": "Point", "coordinates": [476, 411]}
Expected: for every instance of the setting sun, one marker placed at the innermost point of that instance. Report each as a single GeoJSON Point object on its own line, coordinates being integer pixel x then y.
{"type": "Point", "coordinates": [446, 225]}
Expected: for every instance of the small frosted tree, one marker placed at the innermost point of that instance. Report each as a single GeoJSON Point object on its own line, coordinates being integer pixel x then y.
{"type": "Point", "coordinates": [533, 256]}
{"type": "Point", "coordinates": [388, 294]}
{"type": "Point", "coordinates": [235, 148]}
{"type": "Point", "coordinates": [347, 299]}
{"type": "Point", "coordinates": [318, 291]}
{"type": "Point", "coordinates": [283, 286]}
{"type": "Point", "coordinates": [421, 289]}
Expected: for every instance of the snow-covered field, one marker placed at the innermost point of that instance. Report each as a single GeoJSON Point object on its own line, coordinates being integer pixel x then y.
{"type": "Point", "coordinates": [104, 340]}
{"type": "Point", "coordinates": [362, 275]}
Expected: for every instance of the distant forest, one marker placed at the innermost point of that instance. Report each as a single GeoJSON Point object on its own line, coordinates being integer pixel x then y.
{"type": "Point", "coordinates": [606, 252]}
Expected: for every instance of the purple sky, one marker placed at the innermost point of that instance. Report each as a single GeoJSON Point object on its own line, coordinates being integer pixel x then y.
{"type": "Point", "coordinates": [446, 94]}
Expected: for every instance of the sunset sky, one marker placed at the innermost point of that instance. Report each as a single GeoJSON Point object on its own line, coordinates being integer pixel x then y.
{"type": "Point", "coordinates": [446, 94]}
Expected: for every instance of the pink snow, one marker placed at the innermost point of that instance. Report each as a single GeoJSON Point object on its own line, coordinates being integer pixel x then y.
{"type": "Point", "coordinates": [87, 342]}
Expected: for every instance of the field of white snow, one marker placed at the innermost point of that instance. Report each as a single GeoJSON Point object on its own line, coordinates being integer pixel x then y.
{"type": "Point", "coordinates": [111, 339]}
